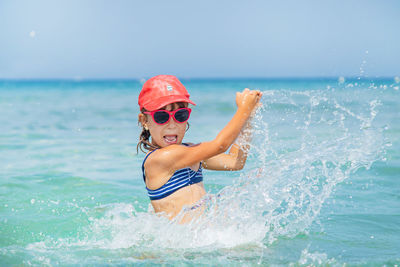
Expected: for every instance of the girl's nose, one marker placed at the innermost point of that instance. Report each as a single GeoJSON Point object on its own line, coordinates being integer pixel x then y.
{"type": "Point", "coordinates": [172, 123]}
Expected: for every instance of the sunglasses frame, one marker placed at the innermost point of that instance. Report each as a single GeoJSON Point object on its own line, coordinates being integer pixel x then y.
{"type": "Point", "coordinates": [170, 113]}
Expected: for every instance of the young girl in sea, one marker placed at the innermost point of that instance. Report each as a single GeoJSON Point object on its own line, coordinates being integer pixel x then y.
{"type": "Point", "coordinates": [172, 170]}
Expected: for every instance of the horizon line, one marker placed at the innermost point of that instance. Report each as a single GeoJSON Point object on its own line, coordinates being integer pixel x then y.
{"type": "Point", "coordinates": [272, 78]}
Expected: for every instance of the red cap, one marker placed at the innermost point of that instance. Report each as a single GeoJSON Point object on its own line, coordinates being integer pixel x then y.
{"type": "Point", "coordinates": [162, 90]}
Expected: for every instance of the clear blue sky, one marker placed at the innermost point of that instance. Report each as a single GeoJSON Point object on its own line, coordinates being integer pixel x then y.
{"type": "Point", "coordinates": [98, 39]}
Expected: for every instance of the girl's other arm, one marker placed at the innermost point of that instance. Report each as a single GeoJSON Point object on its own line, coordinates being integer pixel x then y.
{"type": "Point", "coordinates": [237, 155]}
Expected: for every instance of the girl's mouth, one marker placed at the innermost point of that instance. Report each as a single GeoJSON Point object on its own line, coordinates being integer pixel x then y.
{"type": "Point", "coordinates": [170, 139]}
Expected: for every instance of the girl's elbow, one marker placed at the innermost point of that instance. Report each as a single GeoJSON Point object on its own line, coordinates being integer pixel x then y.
{"type": "Point", "coordinates": [222, 146]}
{"type": "Point", "coordinates": [239, 164]}
{"type": "Point", "coordinates": [239, 167]}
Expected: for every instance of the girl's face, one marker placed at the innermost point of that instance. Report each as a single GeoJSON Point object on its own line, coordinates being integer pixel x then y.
{"type": "Point", "coordinates": [167, 134]}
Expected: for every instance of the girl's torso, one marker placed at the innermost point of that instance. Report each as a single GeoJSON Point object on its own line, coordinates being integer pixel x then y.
{"type": "Point", "coordinates": [184, 188]}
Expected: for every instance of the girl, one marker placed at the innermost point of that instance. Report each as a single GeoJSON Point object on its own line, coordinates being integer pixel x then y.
{"type": "Point", "coordinates": [172, 170]}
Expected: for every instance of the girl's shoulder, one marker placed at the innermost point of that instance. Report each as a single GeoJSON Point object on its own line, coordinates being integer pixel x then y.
{"type": "Point", "coordinates": [160, 151]}
{"type": "Point", "coordinates": [163, 156]}
{"type": "Point", "coordinates": [158, 162]}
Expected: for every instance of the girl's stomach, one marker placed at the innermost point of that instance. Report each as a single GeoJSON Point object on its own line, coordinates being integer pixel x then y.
{"type": "Point", "coordinates": [172, 205]}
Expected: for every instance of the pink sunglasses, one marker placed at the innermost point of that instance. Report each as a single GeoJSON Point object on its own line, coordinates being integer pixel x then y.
{"type": "Point", "coordinates": [161, 117]}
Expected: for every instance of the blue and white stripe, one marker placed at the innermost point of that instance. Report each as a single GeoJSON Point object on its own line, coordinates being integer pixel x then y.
{"type": "Point", "coordinates": [178, 180]}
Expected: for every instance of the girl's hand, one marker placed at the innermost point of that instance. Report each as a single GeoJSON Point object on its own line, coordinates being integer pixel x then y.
{"type": "Point", "coordinates": [248, 99]}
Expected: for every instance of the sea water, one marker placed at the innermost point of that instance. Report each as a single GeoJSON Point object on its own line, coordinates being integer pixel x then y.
{"type": "Point", "coordinates": [321, 185]}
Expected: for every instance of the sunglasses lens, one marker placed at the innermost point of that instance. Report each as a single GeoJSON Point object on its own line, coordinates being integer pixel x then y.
{"type": "Point", "coordinates": [161, 117]}
{"type": "Point", "coordinates": [182, 115]}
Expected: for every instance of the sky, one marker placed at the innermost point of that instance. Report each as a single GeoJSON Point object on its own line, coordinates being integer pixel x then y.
{"type": "Point", "coordinates": [98, 39]}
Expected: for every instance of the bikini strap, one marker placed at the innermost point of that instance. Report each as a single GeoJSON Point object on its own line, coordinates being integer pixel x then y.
{"type": "Point", "coordinates": [144, 160]}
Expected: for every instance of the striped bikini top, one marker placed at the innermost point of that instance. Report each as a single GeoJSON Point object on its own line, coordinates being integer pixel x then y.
{"type": "Point", "coordinates": [178, 180]}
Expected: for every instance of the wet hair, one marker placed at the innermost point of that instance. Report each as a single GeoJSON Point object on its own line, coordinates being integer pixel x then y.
{"type": "Point", "coordinates": [144, 139]}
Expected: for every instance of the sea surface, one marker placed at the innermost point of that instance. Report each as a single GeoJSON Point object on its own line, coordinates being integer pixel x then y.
{"type": "Point", "coordinates": [321, 185]}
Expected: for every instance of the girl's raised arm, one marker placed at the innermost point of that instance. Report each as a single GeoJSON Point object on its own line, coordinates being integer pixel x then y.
{"type": "Point", "coordinates": [175, 157]}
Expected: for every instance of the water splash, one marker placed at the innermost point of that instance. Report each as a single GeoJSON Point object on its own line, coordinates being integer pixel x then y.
{"type": "Point", "coordinates": [315, 259]}
{"type": "Point", "coordinates": [305, 144]}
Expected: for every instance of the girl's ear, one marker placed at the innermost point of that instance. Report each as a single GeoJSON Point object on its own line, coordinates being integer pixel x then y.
{"type": "Point", "coordinates": [142, 119]}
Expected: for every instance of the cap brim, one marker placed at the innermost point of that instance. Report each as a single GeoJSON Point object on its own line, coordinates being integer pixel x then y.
{"type": "Point", "coordinates": [163, 101]}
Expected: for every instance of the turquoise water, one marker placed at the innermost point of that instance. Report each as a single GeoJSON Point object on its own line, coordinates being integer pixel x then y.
{"type": "Point", "coordinates": [321, 185]}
